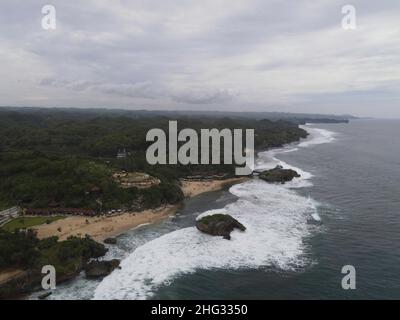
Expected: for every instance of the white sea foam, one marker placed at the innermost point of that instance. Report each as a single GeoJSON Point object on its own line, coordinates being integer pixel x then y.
{"type": "Point", "coordinates": [317, 136]}
{"type": "Point", "coordinates": [275, 216]}
{"type": "Point", "coordinates": [276, 221]}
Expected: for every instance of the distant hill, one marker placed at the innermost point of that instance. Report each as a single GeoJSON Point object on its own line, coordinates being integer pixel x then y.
{"type": "Point", "coordinates": [88, 113]}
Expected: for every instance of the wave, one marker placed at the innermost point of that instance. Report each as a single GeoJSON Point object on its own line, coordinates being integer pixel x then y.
{"type": "Point", "coordinates": [277, 222]}
{"type": "Point", "coordinates": [317, 136]}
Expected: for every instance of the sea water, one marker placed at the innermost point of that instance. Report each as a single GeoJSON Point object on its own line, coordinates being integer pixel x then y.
{"type": "Point", "coordinates": [344, 209]}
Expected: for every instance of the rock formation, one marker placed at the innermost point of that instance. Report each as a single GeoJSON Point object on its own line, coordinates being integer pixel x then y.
{"type": "Point", "coordinates": [219, 225]}
{"type": "Point", "coordinates": [279, 175]}
{"type": "Point", "coordinates": [99, 269]}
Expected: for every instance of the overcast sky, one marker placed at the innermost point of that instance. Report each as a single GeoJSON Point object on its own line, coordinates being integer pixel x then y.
{"type": "Point", "coordinates": [254, 55]}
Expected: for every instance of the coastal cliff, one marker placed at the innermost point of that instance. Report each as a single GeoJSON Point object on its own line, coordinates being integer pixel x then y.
{"type": "Point", "coordinates": [25, 252]}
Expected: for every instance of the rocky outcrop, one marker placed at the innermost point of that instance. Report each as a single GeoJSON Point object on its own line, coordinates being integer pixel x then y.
{"type": "Point", "coordinates": [219, 225]}
{"type": "Point", "coordinates": [44, 295]}
{"type": "Point", "coordinates": [110, 241]}
{"type": "Point", "coordinates": [76, 251]}
{"type": "Point", "coordinates": [278, 175]}
{"type": "Point", "coordinates": [139, 180]}
{"type": "Point", "coordinates": [99, 269]}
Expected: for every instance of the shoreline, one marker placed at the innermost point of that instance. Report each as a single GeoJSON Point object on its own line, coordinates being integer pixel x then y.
{"type": "Point", "coordinates": [257, 205]}
{"type": "Point", "coordinates": [103, 227]}
{"type": "Point", "coordinates": [193, 188]}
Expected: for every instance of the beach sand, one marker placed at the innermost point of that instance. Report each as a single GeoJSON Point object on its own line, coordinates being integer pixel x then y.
{"type": "Point", "coordinates": [194, 188]}
{"type": "Point", "coordinates": [103, 227]}
{"type": "Point", "coordinates": [7, 275]}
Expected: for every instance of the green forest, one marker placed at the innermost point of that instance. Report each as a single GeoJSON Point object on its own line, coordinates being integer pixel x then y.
{"type": "Point", "coordinates": [50, 156]}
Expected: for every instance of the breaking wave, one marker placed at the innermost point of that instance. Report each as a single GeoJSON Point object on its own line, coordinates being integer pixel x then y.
{"type": "Point", "coordinates": [276, 218]}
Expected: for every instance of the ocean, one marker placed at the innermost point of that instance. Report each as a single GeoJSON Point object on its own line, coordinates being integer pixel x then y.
{"type": "Point", "coordinates": [343, 210]}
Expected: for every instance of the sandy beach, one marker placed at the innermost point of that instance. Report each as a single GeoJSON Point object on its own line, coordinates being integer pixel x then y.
{"type": "Point", "coordinates": [194, 188]}
{"type": "Point", "coordinates": [103, 227]}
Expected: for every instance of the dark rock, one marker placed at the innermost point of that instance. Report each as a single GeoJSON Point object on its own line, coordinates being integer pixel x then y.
{"type": "Point", "coordinates": [99, 269]}
{"type": "Point", "coordinates": [110, 241]}
{"type": "Point", "coordinates": [219, 225]}
{"type": "Point", "coordinates": [278, 174]}
{"type": "Point", "coordinates": [44, 295]}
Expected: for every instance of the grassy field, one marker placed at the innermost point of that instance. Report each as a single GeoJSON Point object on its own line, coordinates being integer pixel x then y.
{"type": "Point", "coordinates": [27, 222]}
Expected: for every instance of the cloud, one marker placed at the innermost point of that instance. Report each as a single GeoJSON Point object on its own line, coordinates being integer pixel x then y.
{"type": "Point", "coordinates": [205, 97]}
{"type": "Point", "coordinates": [146, 90]}
{"type": "Point", "coordinates": [262, 54]}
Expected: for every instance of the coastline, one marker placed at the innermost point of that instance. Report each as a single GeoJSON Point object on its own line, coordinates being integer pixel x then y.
{"type": "Point", "coordinates": [285, 212]}
{"type": "Point", "coordinates": [193, 188]}
{"type": "Point", "coordinates": [101, 228]}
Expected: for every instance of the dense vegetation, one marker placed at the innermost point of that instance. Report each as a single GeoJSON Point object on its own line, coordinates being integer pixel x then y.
{"type": "Point", "coordinates": [58, 156]}
{"type": "Point", "coordinates": [25, 251]}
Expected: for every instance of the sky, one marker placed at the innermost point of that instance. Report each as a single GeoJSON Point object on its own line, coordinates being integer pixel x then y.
{"type": "Point", "coordinates": [250, 55]}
